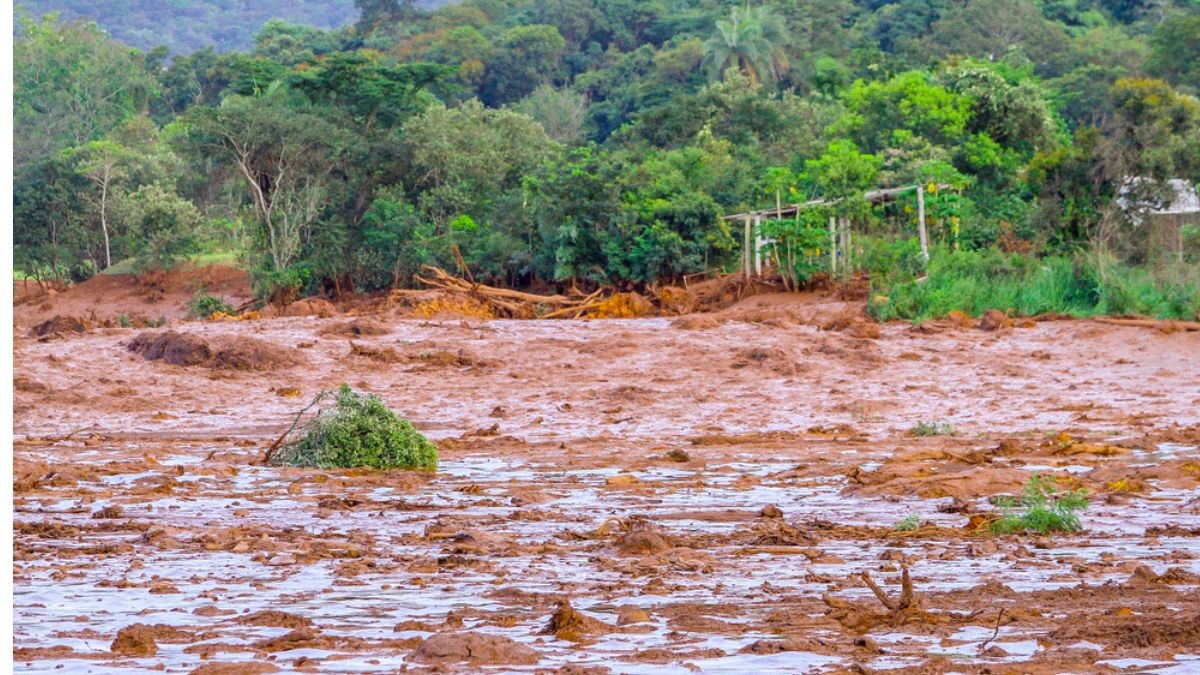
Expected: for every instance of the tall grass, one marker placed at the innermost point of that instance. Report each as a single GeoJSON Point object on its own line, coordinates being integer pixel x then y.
{"type": "Point", "coordinates": [973, 282]}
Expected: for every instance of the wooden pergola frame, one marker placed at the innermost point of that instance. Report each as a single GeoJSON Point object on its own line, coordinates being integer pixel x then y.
{"type": "Point", "coordinates": [839, 228]}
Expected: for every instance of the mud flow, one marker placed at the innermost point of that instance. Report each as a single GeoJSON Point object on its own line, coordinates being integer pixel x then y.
{"type": "Point", "coordinates": [730, 493]}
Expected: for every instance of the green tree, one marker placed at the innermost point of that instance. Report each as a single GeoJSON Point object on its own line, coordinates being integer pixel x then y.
{"type": "Point", "coordinates": [561, 112]}
{"type": "Point", "coordinates": [72, 84]}
{"type": "Point", "coordinates": [102, 163]}
{"type": "Point", "coordinates": [753, 39]}
{"type": "Point", "coordinates": [526, 56]}
{"type": "Point", "coordinates": [284, 155]}
{"type": "Point", "coordinates": [1175, 51]}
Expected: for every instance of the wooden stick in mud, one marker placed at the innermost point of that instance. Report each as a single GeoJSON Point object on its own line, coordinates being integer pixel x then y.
{"type": "Point", "coordinates": [887, 602]}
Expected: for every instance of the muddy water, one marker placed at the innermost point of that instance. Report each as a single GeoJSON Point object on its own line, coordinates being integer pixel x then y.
{"type": "Point", "coordinates": [558, 481]}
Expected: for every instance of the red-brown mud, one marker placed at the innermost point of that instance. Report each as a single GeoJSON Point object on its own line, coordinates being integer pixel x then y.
{"type": "Point", "coordinates": [707, 493]}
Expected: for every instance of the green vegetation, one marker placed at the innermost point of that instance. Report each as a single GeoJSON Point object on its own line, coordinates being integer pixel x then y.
{"type": "Point", "coordinates": [203, 306]}
{"type": "Point", "coordinates": [976, 281]}
{"type": "Point", "coordinates": [910, 523]}
{"type": "Point", "coordinates": [575, 143]}
{"type": "Point", "coordinates": [359, 432]}
{"type": "Point", "coordinates": [932, 429]}
{"type": "Point", "coordinates": [1043, 509]}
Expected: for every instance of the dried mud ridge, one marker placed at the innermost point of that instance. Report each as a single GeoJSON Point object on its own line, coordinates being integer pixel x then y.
{"type": "Point", "coordinates": [613, 496]}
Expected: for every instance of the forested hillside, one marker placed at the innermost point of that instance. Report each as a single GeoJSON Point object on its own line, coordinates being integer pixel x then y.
{"type": "Point", "coordinates": [601, 142]}
{"type": "Point", "coordinates": [185, 26]}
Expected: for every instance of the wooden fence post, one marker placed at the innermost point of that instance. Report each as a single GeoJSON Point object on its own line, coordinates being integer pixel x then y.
{"type": "Point", "coordinates": [921, 222]}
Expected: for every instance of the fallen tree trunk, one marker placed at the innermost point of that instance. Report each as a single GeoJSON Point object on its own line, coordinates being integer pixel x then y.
{"type": "Point", "coordinates": [1163, 325]}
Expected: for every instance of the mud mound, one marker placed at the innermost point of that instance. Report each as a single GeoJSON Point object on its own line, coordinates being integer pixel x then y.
{"type": "Point", "coordinates": [224, 353]}
{"type": "Point", "coordinates": [105, 297]}
{"type": "Point", "coordinates": [380, 354]}
{"type": "Point", "coordinates": [135, 640]}
{"type": "Point", "coordinates": [696, 322]}
{"type": "Point", "coordinates": [772, 359]}
{"type": "Point", "coordinates": [1181, 631]}
{"type": "Point", "coordinates": [255, 668]}
{"type": "Point", "coordinates": [60, 324]}
{"type": "Point", "coordinates": [854, 321]}
{"type": "Point", "coordinates": [275, 619]}
{"type": "Point", "coordinates": [357, 328]}
{"type": "Point", "coordinates": [311, 307]}
{"type": "Point", "coordinates": [568, 624]}
{"type": "Point", "coordinates": [477, 649]}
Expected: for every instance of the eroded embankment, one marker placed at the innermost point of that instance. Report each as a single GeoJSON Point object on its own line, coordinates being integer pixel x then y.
{"type": "Point", "coordinates": [703, 496]}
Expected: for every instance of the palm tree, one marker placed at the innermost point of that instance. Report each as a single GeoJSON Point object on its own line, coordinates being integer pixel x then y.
{"type": "Point", "coordinates": [751, 39]}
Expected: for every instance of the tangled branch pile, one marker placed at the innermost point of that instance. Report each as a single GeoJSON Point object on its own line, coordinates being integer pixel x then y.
{"type": "Point", "coordinates": [358, 430]}
{"type": "Point", "coordinates": [507, 302]}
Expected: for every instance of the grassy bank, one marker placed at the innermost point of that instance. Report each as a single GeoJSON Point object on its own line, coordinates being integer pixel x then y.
{"type": "Point", "coordinates": [976, 281]}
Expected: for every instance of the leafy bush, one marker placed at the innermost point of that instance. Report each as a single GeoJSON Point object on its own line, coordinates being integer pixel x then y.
{"type": "Point", "coordinates": [910, 524]}
{"type": "Point", "coordinates": [932, 429]}
{"type": "Point", "coordinates": [1046, 509]}
{"type": "Point", "coordinates": [358, 431]}
{"type": "Point", "coordinates": [203, 306]}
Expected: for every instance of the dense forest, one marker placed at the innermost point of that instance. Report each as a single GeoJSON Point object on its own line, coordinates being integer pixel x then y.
{"type": "Point", "coordinates": [601, 142]}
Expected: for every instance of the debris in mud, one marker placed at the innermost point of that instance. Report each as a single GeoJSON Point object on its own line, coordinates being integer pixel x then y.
{"type": "Point", "coordinates": [475, 649]}
{"type": "Point", "coordinates": [441, 358]}
{"type": "Point", "coordinates": [360, 327]}
{"type": "Point", "coordinates": [994, 320]}
{"type": "Point", "coordinates": [569, 624]}
{"type": "Point", "coordinates": [357, 431]}
{"type": "Point", "coordinates": [629, 305]}
{"type": "Point", "coordinates": [59, 325]}
{"type": "Point", "coordinates": [220, 353]}
{"type": "Point", "coordinates": [861, 618]}
{"type": "Point", "coordinates": [135, 640]}
{"type": "Point", "coordinates": [110, 511]}
{"type": "Point", "coordinates": [380, 354]}
{"type": "Point", "coordinates": [770, 511]}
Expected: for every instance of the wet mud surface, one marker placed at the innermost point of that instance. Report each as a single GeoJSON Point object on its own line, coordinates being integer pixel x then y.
{"type": "Point", "coordinates": [626, 496]}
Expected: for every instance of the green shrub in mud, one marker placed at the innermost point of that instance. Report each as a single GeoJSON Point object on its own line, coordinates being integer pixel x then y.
{"type": "Point", "coordinates": [1045, 509]}
{"type": "Point", "coordinates": [358, 431]}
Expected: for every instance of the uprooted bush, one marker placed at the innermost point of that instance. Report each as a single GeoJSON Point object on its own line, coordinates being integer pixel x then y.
{"type": "Point", "coordinates": [358, 430]}
{"type": "Point", "coordinates": [204, 306]}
